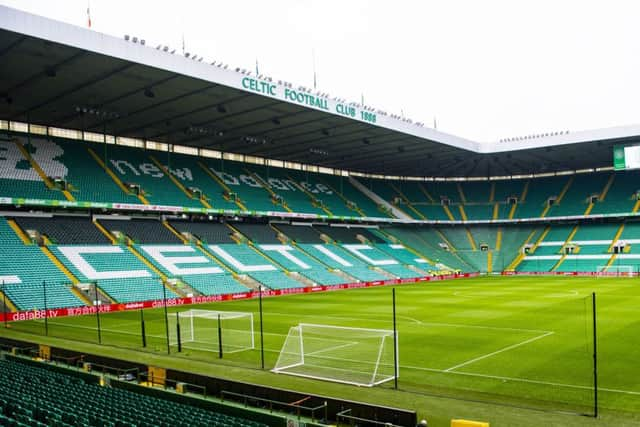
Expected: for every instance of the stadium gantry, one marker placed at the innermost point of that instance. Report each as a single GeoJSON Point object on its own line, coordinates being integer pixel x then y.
{"type": "Point", "coordinates": [129, 175]}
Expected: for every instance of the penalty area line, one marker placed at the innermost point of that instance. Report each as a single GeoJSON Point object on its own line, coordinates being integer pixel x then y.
{"type": "Point", "coordinates": [502, 350]}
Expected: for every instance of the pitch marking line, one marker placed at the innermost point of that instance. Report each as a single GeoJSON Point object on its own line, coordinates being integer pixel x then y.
{"type": "Point", "coordinates": [416, 321]}
{"type": "Point", "coordinates": [523, 380]}
{"type": "Point", "coordinates": [502, 350]}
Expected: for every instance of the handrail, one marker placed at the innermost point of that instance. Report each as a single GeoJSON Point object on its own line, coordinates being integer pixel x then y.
{"type": "Point", "coordinates": [169, 383]}
{"type": "Point", "coordinates": [354, 420]}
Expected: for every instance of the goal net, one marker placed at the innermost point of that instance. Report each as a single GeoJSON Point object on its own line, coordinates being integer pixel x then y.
{"type": "Point", "coordinates": [209, 330]}
{"type": "Point", "coordinates": [358, 356]}
{"type": "Point", "coordinates": [616, 270]}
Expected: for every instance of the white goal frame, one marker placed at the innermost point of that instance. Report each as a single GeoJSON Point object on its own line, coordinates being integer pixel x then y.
{"type": "Point", "coordinates": [347, 370]}
{"type": "Point", "coordinates": [621, 270]}
{"type": "Point", "coordinates": [208, 337]}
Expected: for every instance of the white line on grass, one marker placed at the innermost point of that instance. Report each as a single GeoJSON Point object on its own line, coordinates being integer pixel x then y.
{"type": "Point", "coordinates": [502, 350]}
{"type": "Point", "coordinates": [523, 380]}
{"type": "Point", "coordinates": [416, 321]}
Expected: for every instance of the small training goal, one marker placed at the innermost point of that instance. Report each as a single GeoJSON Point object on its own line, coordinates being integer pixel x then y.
{"type": "Point", "coordinates": [616, 270]}
{"type": "Point", "coordinates": [210, 330]}
{"type": "Point", "coordinates": [358, 356]}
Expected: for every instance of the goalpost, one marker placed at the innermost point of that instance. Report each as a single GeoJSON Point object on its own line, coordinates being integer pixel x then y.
{"type": "Point", "coordinates": [616, 270]}
{"type": "Point", "coordinates": [211, 330]}
{"type": "Point", "coordinates": [358, 356]}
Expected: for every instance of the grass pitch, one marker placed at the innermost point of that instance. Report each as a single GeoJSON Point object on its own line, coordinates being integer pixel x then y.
{"type": "Point", "coordinates": [521, 341]}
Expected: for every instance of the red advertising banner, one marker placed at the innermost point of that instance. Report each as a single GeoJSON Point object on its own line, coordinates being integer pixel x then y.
{"type": "Point", "coordinates": [173, 302]}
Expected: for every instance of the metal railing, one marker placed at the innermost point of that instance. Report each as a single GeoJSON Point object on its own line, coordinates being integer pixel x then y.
{"type": "Point", "coordinates": [271, 405]}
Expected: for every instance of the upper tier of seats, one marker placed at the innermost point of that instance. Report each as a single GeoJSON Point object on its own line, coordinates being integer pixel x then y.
{"type": "Point", "coordinates": [101, 173]}
{"type": "Point", "coordinates": [86, 177]}
{"type": "Point", "coordinates": [18, 177]}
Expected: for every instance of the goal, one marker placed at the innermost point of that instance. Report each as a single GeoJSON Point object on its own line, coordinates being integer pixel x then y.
{"type": "Point", "coordinates": [210, 330]}
{"type": "Point", "coordinates": [616, 270]}
{"type": "Point", "coordinates": [358, 356]}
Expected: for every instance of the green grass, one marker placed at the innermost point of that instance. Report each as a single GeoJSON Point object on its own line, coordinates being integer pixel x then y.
{"type": "Point", "coordinates": [477, 348]}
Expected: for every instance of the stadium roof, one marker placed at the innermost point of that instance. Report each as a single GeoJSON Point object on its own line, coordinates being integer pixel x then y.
{"type": "Point", "coordinates": [56, 74]}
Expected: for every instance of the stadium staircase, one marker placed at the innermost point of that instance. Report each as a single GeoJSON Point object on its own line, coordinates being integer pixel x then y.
{"type": "Point", "coordinates": [135, 167]}
{"type": "Point", "coordinates": [41, 149]}
{"type": "Point", "coordinates": [276, 199]}
{"type": "Point", "coordinates": [382, 205]}
{"type": "Point", "coordinates": [177, 183]}
{"type": "Point", "coordinates": [87, 179]}
{"type": "Point", "coordinates": [404, 199]}
{"type": "Point", "coordinates": [323, 200]}
{"type": "Point", "coordinates": [593, 242]}
{"type": "Point", "coordinates": [315, 202]}
{"type": "Point", "coordinates": [226, 190]}
{"type": "Point", "coordinates": [140, 196]}
{"type": "Point", "coordinates": [22, 269]}
{"type": "Point", "coordinates": [198, 181]}
{"type": "Point", "coordinates": [201, 234]}
{"type": "Point", "coordinates": [18, 179]}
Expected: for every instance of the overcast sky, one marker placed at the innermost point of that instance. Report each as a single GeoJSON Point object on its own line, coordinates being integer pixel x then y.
{"type": "Point", "coordinates": [484, 69]}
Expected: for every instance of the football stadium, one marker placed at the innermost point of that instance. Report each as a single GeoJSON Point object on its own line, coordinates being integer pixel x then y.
{"type": "Point", "coordinates": [187, 243]}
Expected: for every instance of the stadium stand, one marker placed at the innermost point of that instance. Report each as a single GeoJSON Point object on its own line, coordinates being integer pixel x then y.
{"type": "Point", "coordinates": [576, 199]}
{"type": "Point", "coordinates": [207, 232]}
{"type": "Point", "coordinates": [36, 396]}
{"type": "Point", "coordinates": [191, 173]}
{"type": "Point", "coordinates": [348, 234]}
{"type": "Point", "coordinates": [141, 230]}
{"type": "Point", "coordinates": [476, 191]}
{"type": "Point", "coordinates": [294, 195]}
{"type": "Point", "coordinates": [430, 243]}
{"type": "Point", "coordinates": [534, 200]}
{"type": "Point", "coordinates": [326, 197]}
{"type": "Point", "coordinates": [25, 270]}
{"type": "Point", "coordinates": [117, 271]}
{"type": "Point", "coordinates": [64, 230]}
{"type": "Point", "coordinates": [188, 265]}
{"type": "Point", "coordinates": [353, 197]}
{"type": "Point", "coordinates": [141, 168]}
{"type": "Point", "coordinates": [19, 178]}
{"type": "Point", "coordinates": [238, 181]}
{"type": "Point", "coordinates": [243, 259]}
{"type": "Point", "coordinates": [257, 233]}
{"type": "Point", "coordinates": [621, 195]}
{"type": "Point", "coordinates": [87, 180]}
{"type": "Point", "coordinates": [300, 233]}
